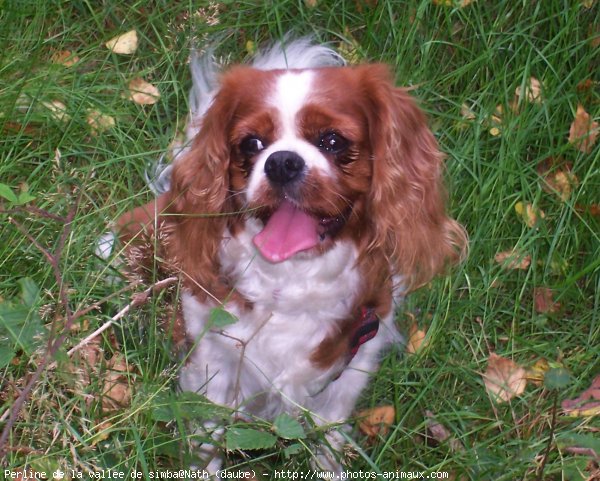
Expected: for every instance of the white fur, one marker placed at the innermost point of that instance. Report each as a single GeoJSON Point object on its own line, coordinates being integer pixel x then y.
{"type": "Point", "coordinates": [292, 92]}
{"type": "Point", "coordinates": [297, 303]}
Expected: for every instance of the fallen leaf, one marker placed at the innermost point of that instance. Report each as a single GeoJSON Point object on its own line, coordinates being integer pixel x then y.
{"type": "Point", "coordinates": [250, 47]}
{"type": "Point", "coordinates": [102, 433]}
{"type": "Point", "coordinates": [142, 92]}
{"type": "Point", "coordinates": [416, 339]}
{"type": "Point", "coordinates": [65, 58]}
{"type": "Point", "coordinates": [513, 259]}
{"type": "Point", "coordinates": [376, 421]}
{"type": "Point", "coordinates": [583, 132]}
{"type": "Point", "coordinates": [496, 121]}
{"type": "Point", "coordinates": [529, 213]}
{"type": "Point", "coordinates": [531, 92]}
{"type": "Point", "coordinates": [467, 113]}
{"type": "Point", "coordinates": [124, 44]}
{"type": "Point", "coordinates": [537, 372]}
{"type": "Point", "coordinates": [543, 301]}
{"type": "Point", "coordinates": [99, 122]}
{"type": "Point", "coordinates": [557, 177]}
{"type": "Point", "coordinates": [311, 3]}
{"type": "Point", "coordinates": [503, 378]}
{"type": "Point", "coordinates": [86, 361]}
{"type": "Point", "coordinates": [58, 110]}
{"type": "Point", "coordinates": [116, 390]}
{"type": "Point", "coordinates": [440, 433]}
{"type": "Point", "coordinates": [587, 403]}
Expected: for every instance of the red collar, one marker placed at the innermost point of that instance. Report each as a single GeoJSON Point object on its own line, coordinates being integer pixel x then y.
{"type": "Point", "coordinates": [365, 328]}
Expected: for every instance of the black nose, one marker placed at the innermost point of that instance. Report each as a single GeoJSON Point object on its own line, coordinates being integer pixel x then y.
{"type": "Point", "coordinates": [283, 167]}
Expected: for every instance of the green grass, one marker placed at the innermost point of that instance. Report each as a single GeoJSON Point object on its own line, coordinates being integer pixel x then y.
{"type": "Point", "coordinates": [476, 55]}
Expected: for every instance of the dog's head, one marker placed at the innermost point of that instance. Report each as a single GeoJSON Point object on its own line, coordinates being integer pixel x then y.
{"type": "Point", "coordinates": [315, 156]}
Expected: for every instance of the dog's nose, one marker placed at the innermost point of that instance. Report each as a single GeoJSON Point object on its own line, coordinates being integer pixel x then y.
{"type": "Point", "coordinates": [283, 167]}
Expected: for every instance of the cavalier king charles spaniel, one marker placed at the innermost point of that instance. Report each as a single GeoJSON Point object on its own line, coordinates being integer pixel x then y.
{"type": "Point", "coordinates": [308, 200]}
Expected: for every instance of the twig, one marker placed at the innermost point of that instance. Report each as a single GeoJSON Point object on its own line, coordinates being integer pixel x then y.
{"type": "Point", "coordinates": [540, 473]}
{"type": "Point", "coordinates": [137, 300]}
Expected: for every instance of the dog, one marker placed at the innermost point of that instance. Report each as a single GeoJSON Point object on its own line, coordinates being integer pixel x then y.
{"type": "Point", "coordinates": [307, 201]}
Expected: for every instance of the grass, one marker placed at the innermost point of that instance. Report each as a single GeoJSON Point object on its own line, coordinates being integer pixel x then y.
{"type": "Point", "coordinates": [475, 55]}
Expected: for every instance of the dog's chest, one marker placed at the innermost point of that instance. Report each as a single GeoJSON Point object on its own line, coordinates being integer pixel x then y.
{"type": "Point", "coordinates": [295, 305]}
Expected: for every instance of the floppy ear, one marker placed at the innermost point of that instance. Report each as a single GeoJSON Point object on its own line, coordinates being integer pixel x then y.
{"type": "Point", "coordinates": [407, 197]}
{"type": "Point", "coordinates": [199, 203]}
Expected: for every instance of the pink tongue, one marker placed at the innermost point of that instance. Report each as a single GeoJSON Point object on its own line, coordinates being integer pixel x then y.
{"type": "Point", "coordinates": [288, 231]}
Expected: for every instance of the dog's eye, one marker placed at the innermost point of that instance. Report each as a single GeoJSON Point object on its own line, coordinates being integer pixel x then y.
{"type": "Point", "coordinates": [332, 143]}
{"type": "Point", "coordinates": [251, 146]}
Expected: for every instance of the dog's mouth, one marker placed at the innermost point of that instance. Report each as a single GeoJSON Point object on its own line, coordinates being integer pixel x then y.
{"type": "Point", "coordinates": [290, 230]}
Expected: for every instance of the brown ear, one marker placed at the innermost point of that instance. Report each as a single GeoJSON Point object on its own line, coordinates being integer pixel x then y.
{"type": "Point", "coordinates": [198, 200]}
{"type": "Point", "coordinates": [407, 198]}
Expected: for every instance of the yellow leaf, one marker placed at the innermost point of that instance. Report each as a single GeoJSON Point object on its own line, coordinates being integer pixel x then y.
{"type": "Point", "coordinates": [416, 339]}
{"type": "Point", "coordinates": [583, 132]}
{"type": "Point", "coordinates": [377, 420]}
{"type": "Point", "coordinates": [503, 378]}
{"type": "Point", "coordinates": [528, 213]}
{"type": "Point", "coordinates": [536, 373]}
{"type": "Point", "coordinates": [99, 122]}
{"type": "Point", "coordinates": [250, 47]}
{"type": "Point", "coordinates": [142, 92]}
{"type": "Point", "coordinates": [124, 44]}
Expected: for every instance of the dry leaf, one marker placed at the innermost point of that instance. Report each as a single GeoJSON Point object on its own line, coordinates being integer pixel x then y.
{"type": "Point", "coordinates": [116, 390]}
{"type": "Point", "coordinates": [58, 110]}
{"type": "Point", "coordinates": [99, 122]}
{"type": "Point", "coordinates": [440, 433]}
{"type": "Point", "coordinates": [531, 92]}
{"type": "Point", "coordinates": [376, 421]}
{"type": "Point", "coordinates": [250, 47]}
{"type": "Point", "coordinates": [543, 301]}
{"type": "Point", "coordinates": [513, 259]}
{"type": "Point", "coordinates": [557, 177]}
{"type": "Point", "coordinates": [125, 44]}
{"type": "Point", "coordinates": [536, 373]}
{"type": "Point", "coordinates": [142, 92]}
{"type": "Point", "coordinates": [64, 57]}
{"type": "Point", "coordinates": [311, 3]}
{"type": "Point", "coordinates": [503, 378]}
{"type": "Point", "coordinates": [416, 339]}
{"type": "Point", "coordinates": [102, 433]}
{"type": "Point", "coordinates": [86, 361]}
{"type": "Point", "coordinates": [467, 113]}
{"type": "Point", "coordinates": [583, 132]}
{"type": "Point", "coordinates": [528, 213]}
{"type": "Point", "coordinates": [587, 403]}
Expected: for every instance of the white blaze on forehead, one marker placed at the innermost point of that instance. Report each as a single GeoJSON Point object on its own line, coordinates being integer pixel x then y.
{"type": "Point", "coordinates": [291, 94]}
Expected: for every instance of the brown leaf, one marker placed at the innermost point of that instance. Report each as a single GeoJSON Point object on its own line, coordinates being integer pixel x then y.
{"type": "Point", "coordinates": [440, 433]}
{"type": "Point", "coordinates": [513, 259]}
{"type": "Point", "coordinates": [503, 378]}
{"type": "Point", "coordinates": [543, 301]}
{"type": "Point", "coordinates": [532, 92]}
{"type": "Point", "coordinates": [587, 403]}
{"type": "Point", "coordinates": [529, 213]}
{"type": "Point", "coordinates": [65, 58]}
{"type": "Point", "coordinates": [86, 361]}
{"type": "Point", "coordinates": [416, 339]}
{"type": "Point", "coordinates": [557, 177]}
{"type": "Point", "coordinates": [124, 44]}
{"type": "Point", "coordinates": [142, 92]}
{"type": "Point", "coordinates": [116, 391]}
{"type": "Point", "coordinates": [583, 132]}
{"type": "Point", "coordinates": [376, 421]}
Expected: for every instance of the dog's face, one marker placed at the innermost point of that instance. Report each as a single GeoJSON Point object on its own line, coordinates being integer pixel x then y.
{"type": "Point", "coordinates": [315, 156]}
